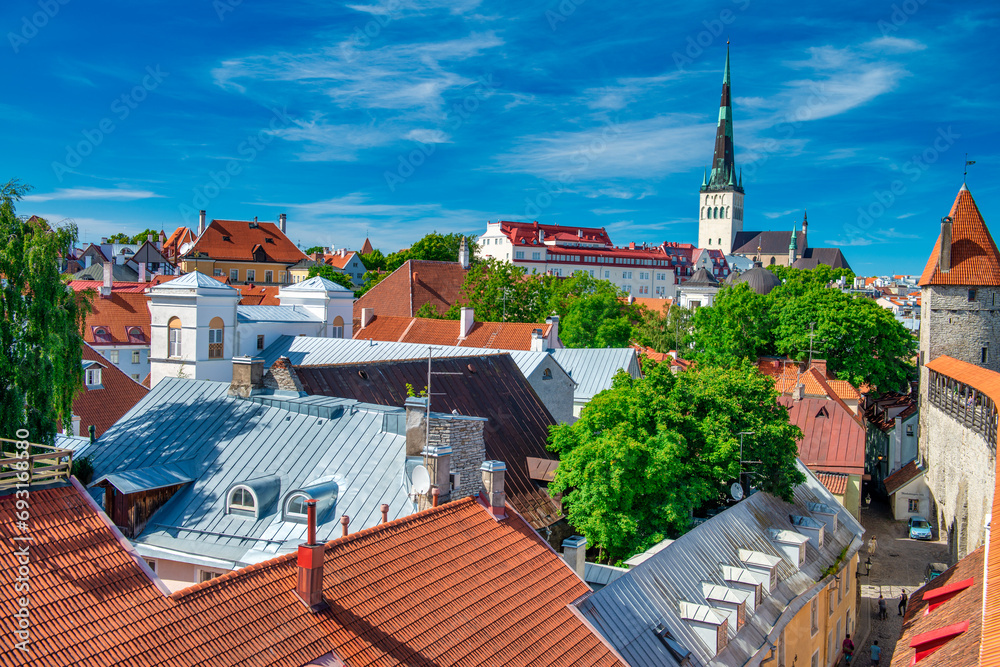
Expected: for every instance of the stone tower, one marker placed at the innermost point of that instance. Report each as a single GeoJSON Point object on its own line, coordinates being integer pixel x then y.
{"type": "Point", "coordinates": [720, 211]}
{"type": "Point", "coordinates": [959, 304]}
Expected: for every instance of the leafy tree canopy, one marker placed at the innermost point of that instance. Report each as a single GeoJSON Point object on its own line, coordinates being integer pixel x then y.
{"type": "Point", "coordinates": [41, 347]}
{"type": "Point", "coordinates": [664, 330]}
{"type": "Point", "coordinates": [741, 327]}
{"type": "Point", "coordinates": [821, 276]}
{"type": "Point", "coordinates": [315, 248]}
{"type": "Point", "coordinates": [374, 261]}
{"type": "Point", "coordinates": [119, 238]}
{"type": "Point", "coordinates": [646, 453]}
{"type": "Point", "coordinates": [434, 247]}
{"type": "Point", "coordinates": [331, 274]}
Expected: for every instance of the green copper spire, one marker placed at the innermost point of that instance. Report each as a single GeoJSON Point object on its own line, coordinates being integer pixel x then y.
{"type": "Point", "coordinates": [704, 178]}
{"type": "Point", "coordinates": [792, 245]}
{"type": "Point", "coordinates": [723, 175]}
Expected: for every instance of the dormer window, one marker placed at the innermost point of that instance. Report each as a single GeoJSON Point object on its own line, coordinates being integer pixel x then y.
{"type": "Point", "coordinates": [92, 377]}
{"type": "Point", "coordinates": [102, 335]}
{"type": "Point", "coordinates": [547, 374]}
{"type": "Point", "coordinates": [295, 508]}
{"type": "Point", "coordinates": [242, 502]}
{"type": "Point", "coordinates": [135, 335]}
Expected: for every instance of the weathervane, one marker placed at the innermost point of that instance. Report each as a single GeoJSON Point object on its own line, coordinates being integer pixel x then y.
{"type": "Point", "coordinates": [965, 173]}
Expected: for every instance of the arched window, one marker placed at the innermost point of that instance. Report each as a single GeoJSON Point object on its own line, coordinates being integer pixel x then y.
{"type": "Point", "coordinates": [174, 337]}
{"type": "Point", "coordinates": [215, 329]}
{"type": "Point", "coordinates": [715, 212]}
{"type": "Point", "coordinates": [242, 502]}
{"type": "Point", "coordinates": [547, 374]}
{"type": "Point", "coordinates": [102, 335]}
{"type": "Point", "coordinates": [720, 241]}
{"type": "Point", "coordinates": [295, 508]}
{"type": "Point", "coordinates": [702, 212]}
{"type": "Point", "coordinates": [338, 327]}
{"type": "Point", "coordinates": [726, 214]}
{"type": "Point", "coordinates": [772, 261]}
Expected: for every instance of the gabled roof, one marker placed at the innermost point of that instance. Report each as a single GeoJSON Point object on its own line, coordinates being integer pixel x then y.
{"type": "Point", "coordinates": [701, 278]}
{"type": "Point", "coordinates": [498, 595]}
{"type": "Point", "coordinates": [813, 257]}
{"type": "Point", "coordinates": [593, 369]}
{"type": "Point", "coordinates": [526, 233]}
{"type": "Point", "coordinates": [116, 286]}
{"type": "Point", "coordinates": [194, 281]}
{"type": "Point", "coordinates": [833, 437]}
{"type": "Point", "coordinates": [770, 243]}
{"type": "Point", "coordinates": [415, 283]}
{"type": "Point", "coordinates": [629, 609]}
{"type": "Point", "coordinates": [180, 236]}
{"type": "Point", "coordinates": [902, 477]}
{"type": "Point", "coordinates": [489, 335]}
{"type": "Point", "coordinates": [836, 482]}
{"type": "Point", "coordinates": [366, 248]}
{"type": "Point", "coordinates": [122, 312]}
{"type": "Point", "coordinates": [974, 256]}
{"type": "Point", "coordinates": [815, 380]}
{"type": "Point", "coordinates": [314, 284]}
{"type": "Point", "coordinates": [881, 411]}
{"type": "Point", "coordinates": [103, 407]}
{"type": "Point", "coordinates": [119, 272]}
{"type": "Point", "coordinates": [148, 254]}
{"type": "Point", "coordinates": [240, 240]}
{"type": "Point", "coordinates": [487, 386]}
{"type": "Point", "coordinates": [223, 441]}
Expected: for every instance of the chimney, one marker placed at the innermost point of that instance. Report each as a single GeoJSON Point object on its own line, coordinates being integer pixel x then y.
{"type": "Point", "coordinates": [248, 375]}
{"type": "Point", "coordinates": [463, 254]}
{"type": "Point", "coordinates": [385, 513]}
{"type": "Point", "coordinates": [345, 522]}
{"type": "Point", "coordinates": [493, 494]}
{"type": "Point", "coordinates": [579, 235]}
{"type": "Point", "coordinates": [575, 553]}
{"type": "Point", "coordinates": [416, 428]}
{"type": "Point", "coordinates": [468, 319]}
{"type": "Point", "coordinates": [537, 341]}
{"type": "Point", "coordinates": [201, 223]}
{"type": "Point", "coordinates": [799, 392]}
{"type": "Point", "coordinates": [343, 252]}
{"type": "Point", "coordinates": [163, 239]}
{"type": "Point", "coordinates": [944, 259]}
{"type": "Point", "coordinates": [367, 315]}
{"type": "Point", "coordinates": [92, 433]}
{"type": "Point", "coordinates": [437, 460]}
{"type": "Point", "coordinates": [106, 286]}
{"type": "Point", "coordinates": [282, 222]}
{"type": "Point", "coordinates": [76, 425]}
{"type": "Point", "coordinates": [541, 235]}
{"type": "Point", "coordinates": [553, 341]}
{"type": "Point", "coordinates": [142, 272]}
{"type": "Point", "coordinates": [309, 587]}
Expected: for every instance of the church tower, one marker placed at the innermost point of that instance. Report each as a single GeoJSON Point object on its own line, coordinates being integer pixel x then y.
{"type": "Point", "coordinates": [720, 212]}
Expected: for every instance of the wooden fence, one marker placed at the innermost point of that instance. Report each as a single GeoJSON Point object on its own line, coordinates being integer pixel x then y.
{"type": "Point", "coordinates": [32, 465]}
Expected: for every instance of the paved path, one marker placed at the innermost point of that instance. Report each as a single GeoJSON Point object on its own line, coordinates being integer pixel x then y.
{"type": "Point", "coordinates": [898, 564]}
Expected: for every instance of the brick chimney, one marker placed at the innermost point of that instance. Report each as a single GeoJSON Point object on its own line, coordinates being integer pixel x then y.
{"type": "Point", "coordinates": [248, 375]}
{"type": "Point", "coordinates": [437, 460]}
{"type": "Point", "coordinates": [201, 223]}
{"type": "Point", "coordinates": [282, 222]}
{"type": "Point", "coordinates": [575, 553]}
{"type": "Point", "coordinates": [367, 315]}
{"type": "Point", "coordinates": [416, 427]}
{"type": "Point", "coordinates": [309, 586]}
{"type": "Point", "coordinates": [106, 286]}
{"type": "Point", "coordinates": [944, 258]}
{"type": "Point", "coordinates": [468, 319]}
{"type": "Point", "coordinates": [282, 376]}
{"type": "Point", "coordinates": [493, 496]}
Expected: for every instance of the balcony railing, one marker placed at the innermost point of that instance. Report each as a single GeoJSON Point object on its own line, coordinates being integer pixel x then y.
{"type": "Point", "coordinates": [965, 404]}
{"type": "Point", "coordinates": [33, 465]}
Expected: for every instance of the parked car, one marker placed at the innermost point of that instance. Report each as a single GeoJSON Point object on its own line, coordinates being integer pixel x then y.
{"type": "Point", "coordinates": [934, 570]}
{"type": "Point", "coordinates": [920, 528]}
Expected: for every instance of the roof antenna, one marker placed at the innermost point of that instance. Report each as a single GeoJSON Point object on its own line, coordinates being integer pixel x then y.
{"type": "Point", "coordinates": [967, 163]}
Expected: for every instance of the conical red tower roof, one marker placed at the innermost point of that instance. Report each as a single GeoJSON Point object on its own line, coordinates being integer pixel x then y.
{"type": "Point", "coordinates": [974, 256]}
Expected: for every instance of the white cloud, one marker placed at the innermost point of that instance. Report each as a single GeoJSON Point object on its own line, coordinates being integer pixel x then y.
{"type": "Point", "coordinates": [856, 241]}
{"type": "Point", "coordinates": [780, 214]}
{"type": "Point", "coordinates": [905, 215]}
{"type": "Point", "coordinates": [105, 194]}
{"type": "Point", "coordinates": [428, 136]}
{"type": "Point", "coordinates": [396, 8]}
{"type": "Point", "coordinates": [611, 211]}
{"type": "Point", "coordinates": [889, 44]}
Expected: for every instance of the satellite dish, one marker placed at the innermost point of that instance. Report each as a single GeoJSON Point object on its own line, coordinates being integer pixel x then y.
{"type": "Point", "coordinates": [736, 490]}
{"type": "Point", "coordinates": [421, 482]}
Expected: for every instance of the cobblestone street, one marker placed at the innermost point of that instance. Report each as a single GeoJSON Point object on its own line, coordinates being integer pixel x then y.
{"type": "Point", "coordinates": [898, 563]}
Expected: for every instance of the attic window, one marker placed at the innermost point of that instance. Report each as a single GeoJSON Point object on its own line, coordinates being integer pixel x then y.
{"type": "Point", "coordinates": [92, 377]}
{"type": "Point", "coordinates": [101, 335]}
{"type": "Point", "coordinates": [135, 335]}
{"type": "Point", "coordinates": [823, 412]}
{"type": "Point", "coordinates": [242, 502]}
{"type": "Point", "coordinates": [547, 374]}
{"type": "Point", "coordinates": [226, 238]}
{"type": "Point", "coordinates": [268, 239]}
{"type": "Point", "coordinates": [295, 508]}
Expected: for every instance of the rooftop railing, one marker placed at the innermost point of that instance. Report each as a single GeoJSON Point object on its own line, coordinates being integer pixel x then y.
{"type": "Point", "coordinates": [32, 464]}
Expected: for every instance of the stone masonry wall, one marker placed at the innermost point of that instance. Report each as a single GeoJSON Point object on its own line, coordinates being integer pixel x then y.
{"type": "Point", "coordinates": [960, 474]}
{"type": "Point", "coordinates": [468, 451]}
{"type": "Point", "coordinates": [953, 325]}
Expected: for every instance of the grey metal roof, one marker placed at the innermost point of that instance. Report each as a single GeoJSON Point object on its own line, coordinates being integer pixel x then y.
{"type": "Point", "coordinates": [594, 368]}
{"type": "Point", "coordinates": [627, 610]}
{"type": "Point", "coordinates": [316, 283]}
{"type": "Point", "coordinates": [314, 351]}
{"type": "Point", "coordinates": [599, 575]}
{"type": "Point", "coordinates": [279, 440]}
{"type": "Point", "coordinates": [148, 479]}
{"type": "Point", "coordinates": [274, 314]}
{"type": "Point", "coordinates": [194, 280]}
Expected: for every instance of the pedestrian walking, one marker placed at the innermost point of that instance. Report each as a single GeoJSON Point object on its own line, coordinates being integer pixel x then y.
{"type": "Point", "coordinates": [848, 647]}
{"type": "Point", "coordinates": [882, 610]}
{"type": "Point", "coordinates": [872, 545]}
{"type": "Point", "coordinates": [876, 652]}
{"type": "Point", "coordinates": [902, 602]}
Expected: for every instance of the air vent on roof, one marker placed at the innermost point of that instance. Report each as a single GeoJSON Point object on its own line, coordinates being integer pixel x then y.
{"type": "Point", "coordinates": [822, 412]}
{"type": "Point", "coordinates": [680, 653]}
{"type": "Point", "coordinates": [268, 239]}
{"type": "Point", "coordinates": [225, 238]}
{"type": "Point", "coordinates": [363, 374]}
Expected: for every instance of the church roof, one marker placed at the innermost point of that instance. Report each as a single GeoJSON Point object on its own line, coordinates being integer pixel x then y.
{"type": "Point", "coordinates": [974, 256]}
{"type": "Point", "coordinates": [813, 257]}
{"type": "Point", "coordinates": [723, 175]}
{"type": "Point", "coordinates": [770, 243]}
{"type": "Point", "coordinates": [758, 278]}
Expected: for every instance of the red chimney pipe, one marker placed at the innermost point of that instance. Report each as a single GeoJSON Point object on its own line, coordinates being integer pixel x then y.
{"type": "Point", "coordinates": [385, 513]}
{"type": "Point", "coordinates": [435, 492]}
{"type": "Point", "coordinates": [309, 585]}
{"type": "Point", "coordinates": [344, 521]}
{"type": "Point", "coordinates": [311, 520]}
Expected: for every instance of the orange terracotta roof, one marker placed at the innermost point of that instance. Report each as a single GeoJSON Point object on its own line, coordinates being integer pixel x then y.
{"type": "Point", "coordinates": [944, 626]}
{"type": "Point", "coordinates": [247, 242]}
{"type": "Point", "coordinates": [788, 373]}
{"type": "Point", "coordinates": [146, 380]}
{"type": "Point", "coordinates": [974, 256]}
{"type": "Point", "coordinates": [835, 482]}
{"type": "Point", "coordinates": [651, 354]}
{"type": "Point", "coordinates": [449, 585]}
{"type": "Point", "coordinates": [901, 477]}
{"type": "Point", "coordinates": [116, 286]}
{"type": "Point", "coordinates": [172, 246]}
{"type": "Point", "coordinates": [124, 316]}
{"type": "Point", "coordinates": [833, 437]}
{"type": "Point", "coordinates": [415, 283]}
{"type": "Point", "coordinates": [655, 305]}
{"type": "Point", "coordinates": [103, 407]}
{"type": "Point", "coordinates": [256, 295]}
{"type": "Point", "coordinates": [491, 335]}
{"type": "Point", "coordinates": [367, 248]}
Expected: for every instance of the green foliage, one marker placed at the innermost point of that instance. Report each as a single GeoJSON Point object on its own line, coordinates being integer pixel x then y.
{"type": "Point", "coordinates": [374, 261]}
{"type": "Point", "coordinates": [83, 469]}
{"type": "Point", "coordinates": [646, 453]}
{"type": "Point", "coordinates": [41, 347]}
{"type": "Point", "coordinates": [371, 279]}
{"type": "Point", "coordinates": [315, 248]}
{"type": "Point", "coordinates": [502, 292]}
{"type": "Point", "coordinates": [664, 330]}
{"type": "Point", "coordinates": [412, 393]}
{"type": "Point", "coordinates": [119, 238]}
{"type": "Point", "coordinates": [331, 274]}
{"type": "Point", "coordinates": [143, 236]}
{"type": "Point", "coordinates": [433, 247]}
{"type": "Point", "coordinates": [821, 276]}
{"type": "Point", "coordinates": [599, 319]}
{"type": "Point", "coordinates": [429, 310]}
{"type": "Point", "coordinates": [737, 326]}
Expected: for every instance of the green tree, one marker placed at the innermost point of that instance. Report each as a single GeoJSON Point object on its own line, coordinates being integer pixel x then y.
{"type": "Point", "coordinates": [374, 261]}
{"type": "Point", "coordinates": [143, 236]}
{"type": "Point", "coordinates": [600, 319]}
{"type": "Point", "coordinates": [41, 347]}
{"type": "Point", "coordinates": [370, 280]}
{"type": "Point", "coordinates": [502, 292]}
{"type": "Point", "coordinates": [429, 310]}
{"type": "Point", "coordinates": [120, 237]}
{"type": "Point", "coordinates": [331, 274]}
{"type": "Point", "coordinates": [821, 276]}
{"type": "Point", "coordinates": [737, 326]}
{"type": "Point", "coordinates": [664, 330]}
{"type": "Point", "coordinates": [315, 248]}
{"type": "Point", "coordinates": [646, 453]}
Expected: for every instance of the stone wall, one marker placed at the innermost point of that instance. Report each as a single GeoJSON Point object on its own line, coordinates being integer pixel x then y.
{"type": "Point", "coordinates": [282, 375]}
{"type": "Point", "coordinates": [952, 324]}
{"type": "Point", "coordinates": [960, 475]}
{"type": "Point", "coordinates": [468, 450]}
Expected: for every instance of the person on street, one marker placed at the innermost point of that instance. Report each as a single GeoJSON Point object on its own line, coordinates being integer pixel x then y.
{"type": "Point", "coordinates": [848, 646]}
{"type": "Point", "coordinates": [876, 652]}
{"type": "Point", "coordinates": [872, 545]}
{"type": "Point", "coordinates": [902, 602]}
{"type": "Point", "coordinates": [882, 610]}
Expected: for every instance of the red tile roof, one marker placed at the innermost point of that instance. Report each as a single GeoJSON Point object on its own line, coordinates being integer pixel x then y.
{"type": "Point", "coordinates": [526, 233]}
{"type": "Point", "coordinates": [256, 295]}
{"type": "Point", "coordinates": [449, 585]}
{"type": "Point", "coordinates": [172, 246]}
{"type": "Point", "coordinates": [118, 314]}
{"type": "Point", "coordinates": [902, 477]}
{"type": "Point", "coordinates": [103, 407]}
{"type": "Point", "coordinates": [974, 256]}
{"type": "Point", "coordinates": [416, 282]}
{"type": "Point", "coordinates": [816, 380]}
{"type": "Point", "coordinates": [835, 482]}
{"type": "Point", "coordinates": [367, 247]}
{"type": "Point", "coordinates": [492, 335]}
{"type": "Point", "coordinates": [833, 437]}
{"type": "Point", "coordinates": [116, 286]}
{"type": "Point", "coordinates": [246, 238]}
{"type": "Point", "coordinates": [948, 634]}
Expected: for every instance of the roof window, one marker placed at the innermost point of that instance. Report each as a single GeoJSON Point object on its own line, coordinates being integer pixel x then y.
{"type": "Point", "coordinates": [102, 335]}
{"type": "Point", "coordinates": [226, 238]}
{"type": "Point", "coordinates": [242, 502]}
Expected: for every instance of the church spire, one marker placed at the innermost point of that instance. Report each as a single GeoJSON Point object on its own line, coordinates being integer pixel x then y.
{"type": "Point", "coordinates": [723, 176]}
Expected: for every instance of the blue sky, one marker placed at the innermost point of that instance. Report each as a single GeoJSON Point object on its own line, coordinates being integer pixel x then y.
{"type": "Point", "coordinates": [394, 118]}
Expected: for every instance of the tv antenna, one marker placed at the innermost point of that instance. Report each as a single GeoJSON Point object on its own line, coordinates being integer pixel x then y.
{"type": "Point", "coordinates": [430, 374]}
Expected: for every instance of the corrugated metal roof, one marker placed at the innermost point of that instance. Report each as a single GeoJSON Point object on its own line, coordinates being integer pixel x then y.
{"type": "Point", "coordinates": [223, 441]}
{"type": "Point", "coordinates": [274, 314]}
{"type": "Point", "coordinates": [627, 610]}
{"type": "Point", "coordinates": [593, 369]}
